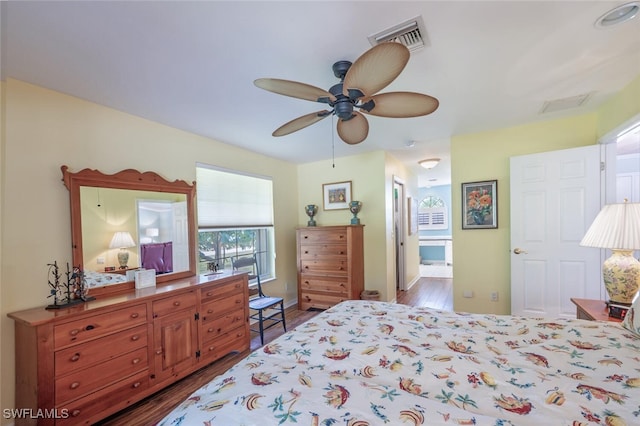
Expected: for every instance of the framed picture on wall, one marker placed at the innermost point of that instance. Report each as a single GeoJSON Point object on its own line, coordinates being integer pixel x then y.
{"type": "Point", "coordinates": [480, 205]}
{"type": "Point", "coordinates": [336, 196]}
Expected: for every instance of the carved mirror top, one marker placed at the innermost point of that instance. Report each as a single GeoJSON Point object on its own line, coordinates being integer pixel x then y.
{"type": "Point", "coordinates": [143, 195]}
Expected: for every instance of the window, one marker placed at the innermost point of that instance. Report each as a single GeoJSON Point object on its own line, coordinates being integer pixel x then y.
{"type": "Point", "coordinates": [235, 218]}
{"type": "Point", "coordinates": [432, 214]}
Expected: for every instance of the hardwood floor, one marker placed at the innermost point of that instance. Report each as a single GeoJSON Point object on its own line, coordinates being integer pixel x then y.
{"type": "Point", "coordinates": [432, 292]}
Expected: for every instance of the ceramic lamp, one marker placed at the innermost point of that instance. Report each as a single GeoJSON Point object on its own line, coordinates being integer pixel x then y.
{"type": "Point", "coordinates": [123, 241]}
{"type": "Point", "coordinates": [311, 210]}
{"type": "Point", "coordinates": [617, 227]}
{"type": "Point", "coordinates": [354, 207]}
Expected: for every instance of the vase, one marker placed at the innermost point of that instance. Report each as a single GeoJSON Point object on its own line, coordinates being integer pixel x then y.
{"type": "Point", "coordinates": [354, 207]}
{"type": "Point", "coordinates": [478, 218]}
{"type": "Point", "coordinates": [311, 210]}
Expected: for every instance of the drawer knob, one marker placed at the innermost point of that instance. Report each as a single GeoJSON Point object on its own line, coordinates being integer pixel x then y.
{"type": "Point", "coordinates": [74, 385]}
{"type": "Point", "coordinates": [238, 301]}
{"type": "Point", "coordinates": [89, 327]}
{"type": "Point", "coordinates": [135, 361]}
{"type": "Point", "coordinates": [75, 413]}
{"type": "Point", "coordinates": [158, 351]}
{"type": "Point", "coordinates": [210, 330]}
{"type": "Point", "coordinates": [136, 385]}
{"type": "Point", "coordinates": [176, 303]}
{"type": "Point", "coordinates": [211, 348]}
{"type": "Point", "coordinates": [134, 315]}
{"type": "Point", "coordinates": [209, 294]}
{"type": "Point", "coordinates": [74, 332]}
{"type": "Point", "coordinates": [75, 357]}
{"type": "Point", "coordinates": [306, 237]}
{"type": "Point", "coordinates": [135, 337]}
{"type": "Point", "coordinates": [306, 252]}
{"type": "Point", "coordinates": [209, 311]}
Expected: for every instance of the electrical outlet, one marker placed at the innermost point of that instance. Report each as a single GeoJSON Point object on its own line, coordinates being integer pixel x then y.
{"type": "Point", "coordinates": [467, 293]}
{"type": "Point", "coordinates": [100, 260]}
{"type": "Point", "coordinates": [494, 296]}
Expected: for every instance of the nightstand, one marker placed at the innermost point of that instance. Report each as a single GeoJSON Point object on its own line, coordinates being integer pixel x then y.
{"type": "Point", "coordinates": [593, 310]}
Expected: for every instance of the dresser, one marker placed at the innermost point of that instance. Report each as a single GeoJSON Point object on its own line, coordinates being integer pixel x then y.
{"type": "Point", "coordinates": [330, 265]}
{"type": "Point", "coordinates": [86, 362]}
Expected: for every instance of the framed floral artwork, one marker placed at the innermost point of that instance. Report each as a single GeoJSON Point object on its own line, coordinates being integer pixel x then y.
{"type": "Point", "coordinates": [336, 196]}
{"type": "Point", "coordinates": [480, 205]}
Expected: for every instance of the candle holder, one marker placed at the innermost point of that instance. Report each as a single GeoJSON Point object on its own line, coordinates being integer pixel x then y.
{"type": "Point", "coordinates": [311, 210]}
{"type": "Point", "coordinates": [354, 207]}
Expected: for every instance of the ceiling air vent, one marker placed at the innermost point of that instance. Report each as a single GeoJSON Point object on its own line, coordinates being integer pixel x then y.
{"type": "Point", "coordinates": [565, 103]}
{"type": "Point", "coordinates": [411, 33]}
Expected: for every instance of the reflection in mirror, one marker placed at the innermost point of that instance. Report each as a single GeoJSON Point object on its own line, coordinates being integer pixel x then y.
{"type": "Point", "coordinates": [156, 221]}
{"type": "Point", "coordinates": [156, 217]}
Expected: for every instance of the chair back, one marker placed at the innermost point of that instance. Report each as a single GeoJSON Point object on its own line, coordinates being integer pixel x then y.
{"type": "Point", "coordinates": [249, 263]}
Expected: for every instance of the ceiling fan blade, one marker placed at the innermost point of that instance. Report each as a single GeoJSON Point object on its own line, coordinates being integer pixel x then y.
{"type": "Point", "coordinates": [295, 89]}
{"type": "Point", "coordinates": [401, 104]}
{"type": "Point", "coordinates": [354, 130]}
{"type": "Point", "coordinates": [376, 68]}
{"type": "Point", "coordinates": [301, 122]}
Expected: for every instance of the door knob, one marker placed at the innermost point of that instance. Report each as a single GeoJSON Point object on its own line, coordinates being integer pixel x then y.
{"type": "Point", "coordinates": [519, 251]}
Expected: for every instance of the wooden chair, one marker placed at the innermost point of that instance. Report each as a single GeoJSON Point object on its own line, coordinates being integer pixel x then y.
{"type": "Point", "coordinates": [261, 302]}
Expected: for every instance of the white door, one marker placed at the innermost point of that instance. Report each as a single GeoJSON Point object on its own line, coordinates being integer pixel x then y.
{"type": "Point", "coordinates": [398, 220]}
{"type": "Point", "coordinates": [554, 198]}
{"type": "Point", "coordinates": [180, 237]}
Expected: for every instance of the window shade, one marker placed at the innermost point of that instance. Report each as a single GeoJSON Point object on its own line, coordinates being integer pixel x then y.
{"type": "Point", "coordinates": [231, 199]}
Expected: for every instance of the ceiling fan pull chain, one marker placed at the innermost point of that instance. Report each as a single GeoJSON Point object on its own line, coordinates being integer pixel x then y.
{"type": "Point", "coordinates": [333, 142]}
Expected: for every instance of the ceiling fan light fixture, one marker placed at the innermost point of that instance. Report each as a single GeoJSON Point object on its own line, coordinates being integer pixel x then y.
{"type": "Point", "coordinates": [618, 15]}
{"type": "Point", "coordinates": [429, 163]}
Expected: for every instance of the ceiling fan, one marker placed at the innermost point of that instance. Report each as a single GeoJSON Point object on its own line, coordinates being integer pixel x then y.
{"type": "Point", "coordinates": [356, 93]}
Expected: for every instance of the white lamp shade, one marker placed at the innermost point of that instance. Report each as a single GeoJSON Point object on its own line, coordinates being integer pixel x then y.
{"type": "Point", "coordinates": [152, 232]}
{"type": "Point", "coordinates": [121, 240]}
{"type": "Point", "coordinates": [617, 226]}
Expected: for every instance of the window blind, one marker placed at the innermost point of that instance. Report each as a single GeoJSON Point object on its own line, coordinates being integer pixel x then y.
{"type": "Point", "coordinates": [227, 198]}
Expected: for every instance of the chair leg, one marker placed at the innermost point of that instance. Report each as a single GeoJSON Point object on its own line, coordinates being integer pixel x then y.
{"type": "Point", "coordinates": [284, 325]}
{"type": "Point", "coordinates": [261, 327]}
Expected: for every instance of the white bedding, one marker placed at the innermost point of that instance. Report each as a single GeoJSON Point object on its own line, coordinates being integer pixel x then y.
{"type": "Point", "coordinates": [373, 363]}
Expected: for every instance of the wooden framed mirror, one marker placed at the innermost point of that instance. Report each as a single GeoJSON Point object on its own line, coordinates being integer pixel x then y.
{"type": "Point", "coordinates": [156, 216]}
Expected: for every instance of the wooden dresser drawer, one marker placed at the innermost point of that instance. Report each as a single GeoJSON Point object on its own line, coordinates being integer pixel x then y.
{"type": "Point", "coordinates": [236, 340]}
{"type": "Point", "coordinates": [216, 308]}
{"type": "Point", "coordinates": [98, 325]}
{"type": "Point", "coordinates": [313, 251]}
{"type": "Point", "coordinates": [80, 383]}
{"type": "Point", "coordinates": [336, 267]}
{"type": "Point", "coordinates": [222, 325]}
{"type": "Point", "coordinates": [174, 303]}
{"type": "Point", "coordinates": [87, 354]}
{"type": "Point", "coordinates": [322, 235]}
{"type": "Point", "coordinates": [81, 411]}
{"type": "Point", "coordinates": [335, 286]}
{"type": "Point", "coordinates": [319, 300]}
{"type": "Point", "coordinates": [216, 291]}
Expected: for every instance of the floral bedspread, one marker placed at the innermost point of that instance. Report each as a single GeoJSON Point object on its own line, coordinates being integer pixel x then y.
{"type": "Point", "coordinates": [374, 363]}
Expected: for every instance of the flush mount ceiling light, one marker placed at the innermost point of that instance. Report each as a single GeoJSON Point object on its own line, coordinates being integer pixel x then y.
{"type": "Point", "coordinates": [429, 163]}
{"type": "Point", "coordinates": [618, 15]}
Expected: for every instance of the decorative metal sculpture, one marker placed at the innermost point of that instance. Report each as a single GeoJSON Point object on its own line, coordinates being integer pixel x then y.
{"type": "Point", "coordinates": [72, 292]}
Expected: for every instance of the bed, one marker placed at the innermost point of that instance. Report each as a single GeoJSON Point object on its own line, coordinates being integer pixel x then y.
{"type": "Point", "coordinates": [373, 363]}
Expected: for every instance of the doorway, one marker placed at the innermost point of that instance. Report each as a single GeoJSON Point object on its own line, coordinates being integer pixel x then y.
{"type": "Point", "coordinates": [399, 232]}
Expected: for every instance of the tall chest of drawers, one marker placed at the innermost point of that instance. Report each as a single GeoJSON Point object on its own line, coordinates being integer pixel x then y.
{"type": "Point", "coordinates": [330, 265]}
{"type": "Point", "coordinates": [83, 363]}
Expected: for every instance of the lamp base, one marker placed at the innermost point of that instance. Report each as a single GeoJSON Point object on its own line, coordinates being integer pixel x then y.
{"type": "Point", "coordinates": [123, 258]}
{"type": "Point", "coordinates": [621, 274]}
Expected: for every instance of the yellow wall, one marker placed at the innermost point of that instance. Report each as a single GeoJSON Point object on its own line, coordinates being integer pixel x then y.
{"type": "Point", "coordinates": [46, 129]}
{"type": "Point", "coordinates": [371, 177]}
{"type": "Point", "coordinates": [482, 257]}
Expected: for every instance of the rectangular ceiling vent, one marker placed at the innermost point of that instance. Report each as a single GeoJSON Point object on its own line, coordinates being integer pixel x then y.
{"type": "Point", "coordinates": [411, 33]}
{"type": "Point", "coordinates": [565, 103]}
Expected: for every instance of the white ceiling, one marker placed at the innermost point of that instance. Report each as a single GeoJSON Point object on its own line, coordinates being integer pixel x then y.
{"type": "Point", "coordinates": [191, 65]}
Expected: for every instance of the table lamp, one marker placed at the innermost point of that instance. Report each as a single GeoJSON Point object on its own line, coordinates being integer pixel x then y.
{"type": "Point", "coordinates": [617, 227]}
{"type": "Point", "coordinates": [123, 241]}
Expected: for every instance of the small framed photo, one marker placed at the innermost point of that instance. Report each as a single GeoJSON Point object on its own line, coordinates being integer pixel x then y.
{"type": "Point", "coordinates": [480, 205]}
{"type": "Point", "coordinates": [336, 196]}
